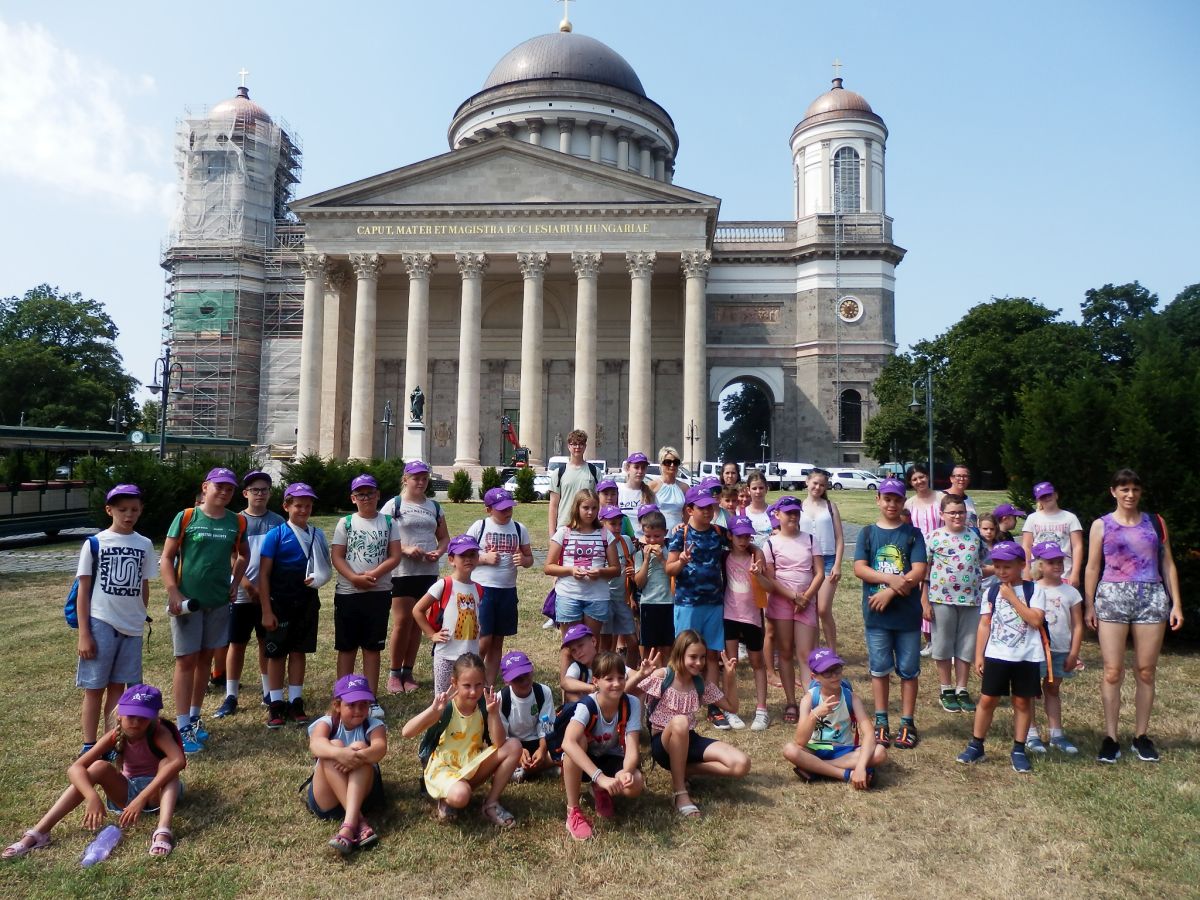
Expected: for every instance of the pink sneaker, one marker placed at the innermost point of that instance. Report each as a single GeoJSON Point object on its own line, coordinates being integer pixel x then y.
{"type": "Point", "coordinates": [604, 803]}
{"type": "Point", "coordinates": [393, 685]}
{"type": "Point", "coordinates": [578, 825]}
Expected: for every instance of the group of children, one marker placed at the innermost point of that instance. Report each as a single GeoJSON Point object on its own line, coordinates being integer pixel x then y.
{"type": "Point", "coordinates": [690, 596]}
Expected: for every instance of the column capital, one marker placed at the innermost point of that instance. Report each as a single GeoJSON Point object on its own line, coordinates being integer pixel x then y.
{"type": "Point", "coordinates": [586, 263]}
{"type": "Point", "coordinates": [508, 129]}
{"type": "Point", "coordinates": [695, 263]}
{"type": "Point", "coordinates": [419, 265]}
{"type": "Point", "coordinates": [313, 265]}
{"type": "Point", "coordinates": [533, 265]}
{"type": "Point", "coordinates": [596, 127]}
{"type": "Point", "coordinates": [535, 124]}
{"type": "Point", "coordinates": [565, 125]}
{"type": "Point", "coordinates": [644, 143]}
{"type": "Point", "coordinates": [335, 277]}
{"type": "Point", "coordinates": [623, 133]}
{"type": "Point", "coordinates": [641, 263]}
{"type": "Point", "coordinates": [471, 265]}
{"type": "Point", "coordinates": [367, 265]}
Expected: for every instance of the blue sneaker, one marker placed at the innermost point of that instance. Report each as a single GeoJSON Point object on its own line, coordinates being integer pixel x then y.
{"type": "Point", "coordinates": [971, 755]}
{"type": "Point", "coordinates": [1020, 762]}
{"type": "Point", "coordinates": [1063, 744]}
{"type": "Point", "coordinates": [200, 731]}
{"type": "Point", "coordinates": [190, 744]}
{"type": "Point", "coordinates": [1034, 744]}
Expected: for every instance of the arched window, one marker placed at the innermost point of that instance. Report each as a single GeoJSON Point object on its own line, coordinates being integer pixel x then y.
{"type": "Point", "coordinates": [845, 181]}
{"type": "Point", "coordinates": [850, 414]}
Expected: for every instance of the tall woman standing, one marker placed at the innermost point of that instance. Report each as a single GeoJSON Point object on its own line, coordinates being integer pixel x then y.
{"type": "Point", "coordinates": [1131, 587]}
{"type": "Point", "coordinates": [668, 490]}
{"type": "Point", "coordinates": [924, 509]}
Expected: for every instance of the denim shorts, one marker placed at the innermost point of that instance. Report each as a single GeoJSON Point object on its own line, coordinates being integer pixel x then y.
{"type": "Point", "coordinates": [708, 621]}
{"type": "Point", "coordinates": [118, 659]}
{"type": "Point", "coordinates": [893, 651]}
{"type": "Point", "coordinates": [571, 609]}
{"type": "Point", "coordinates": [1059, 660]}
{"type": "Point", "coordinates": [828, 565]}
{"type": "Point", "coordinates": [373, 800]}
{"type": "Point", "coordinates": [133, 787]}
{"type": "Point", "coordinates": [620, 617]}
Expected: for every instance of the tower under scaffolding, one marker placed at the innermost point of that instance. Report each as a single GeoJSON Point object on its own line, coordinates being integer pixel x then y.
{"type": "Point", "coordinates": [234, 294]}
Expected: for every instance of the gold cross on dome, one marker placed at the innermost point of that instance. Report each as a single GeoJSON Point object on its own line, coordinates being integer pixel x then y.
{"type": "Point", "coordinates": [566, 10]}
{"type": "Point", "coordinates": [243, 73]}
{"type": "Point", "coordinates": [837, 67]}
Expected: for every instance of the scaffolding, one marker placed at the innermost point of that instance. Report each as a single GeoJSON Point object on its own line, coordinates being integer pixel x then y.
{"type": "Point", "coordinates": [232, 280]}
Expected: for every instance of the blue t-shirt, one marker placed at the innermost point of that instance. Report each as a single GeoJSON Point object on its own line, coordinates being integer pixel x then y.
{"type": "Point", "coordinates": [891, 550]}
{"type": "Point", "coordinates": [701, 582]}
{"type": "Point", "coordinates": [282, 546]}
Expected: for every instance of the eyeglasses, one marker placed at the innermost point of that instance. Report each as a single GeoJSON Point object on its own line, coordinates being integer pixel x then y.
{"type": "Point", "coordinates": [960, 476]}
{"type": "Point", "coordinates": [258, 490]}
{"type": "Point", "coordinates": [576, 443]}
{"type": "Point", "coordinates": [363, 495]}
{"type": "Point", "coordinates": [954, 512]}
{"type": "Point", "coordinates": [670, 462]}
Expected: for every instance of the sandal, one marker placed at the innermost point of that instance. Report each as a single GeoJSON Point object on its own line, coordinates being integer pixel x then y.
{"type": "Point", "coordinates": [342, 843]}
{"type": "Point", "coordinates": [408, 684]}
{"type": "Point", "coordinates": [366, 835]}
{"type": "Point", "coordinates": [20, 848]}
{"type": "Point", "coordinates": [688, 810]}
{"type": "Point", "coordinates": [791, 714]}
{"type": "Point", "coordinates": [446, 812]}
{"type": "Point", "coordinates": [498, 815]}
{"type": "Point", "coordinates": [162, 846]}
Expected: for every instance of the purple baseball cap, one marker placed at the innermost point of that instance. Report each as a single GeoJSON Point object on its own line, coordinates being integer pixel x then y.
{"type": "Point", "coordinates": [892, 486]}
{"type": "Point", "coordinates": [646, 508]}
{"type": "Point", "coordinates": [140, 700]}
{"type": "Point", "coordinates": [122, 490]}
{"type": "Point", "coordinates": [417, 467]}
{"type": "Point", "coordinates": [1009, 550]}
{"type": "Point", "coordinates": [699, 496]}
{"type": "Point", "coordinates": [773, 519]}
{"type": "Point", "coordinates": [1007, 509]}
{"type": "Point", "coordinates": [611, 512]}
{"type": "Point", "coordinates": [352, 689]}
{"type": "Point", "coordinates": [788, 504]}
{"type": "Point", "coordinates": [221, 475]}
{"type": "Point", "coordinates": [498, 498]}
{"type": "Point", "coordinates": [363, 480]}
{"type": "Point", "coordinates": [251, 476]}
{"type": "Point", "coordinates": [1042, 489]}
{"type": "Point", "coordinates": [575, 632]}
{"type": "Point", "coordinates": [606, 485]}
{"type": "Point", "coordinates": [636, 457]}
{"type": "Point", "coordinates": [708, 483]}
{"type": "Point", "coordinates": [299, 489]}
{"type": "Point", "coordinates": [741, 525]}
{"type": "Point", "coordinates": [1048, 550]}
{"type": "Point", "coordinates": [823, 659]}
{"type": "Point", "coordinates": [462, 543]}
{"type": "Point", "coordinates": [513, 665]}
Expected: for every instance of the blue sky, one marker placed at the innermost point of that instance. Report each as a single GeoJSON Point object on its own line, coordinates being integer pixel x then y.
{"type": "Point", "coordinates": [1035, 149]}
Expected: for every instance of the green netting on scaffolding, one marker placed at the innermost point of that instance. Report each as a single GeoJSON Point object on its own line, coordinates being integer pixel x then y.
{"type": "Point", "coordinates": [204, 311]}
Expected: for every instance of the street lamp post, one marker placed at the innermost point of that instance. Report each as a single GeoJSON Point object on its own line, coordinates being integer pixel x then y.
{"type": "Point", "coordinates": [915, 406]}
{"type": "Point", "coordinates": [388, 424]}
{"type": "Point", "coordinates": [165, 372]}
{"type": "Point", "coordinates": [116, 416]}
{"type": "Point", "coordinates": [692, 437]}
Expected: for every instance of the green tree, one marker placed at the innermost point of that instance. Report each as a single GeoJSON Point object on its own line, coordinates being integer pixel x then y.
{"type": "Point", "coordinates": [148, 417]}
{"type": "Point", "coordinates": [1111, 313]}
{"type": "Point", "coordinates": [747, 411]}
{"type": "Point", "coordinates": [525, 492]}
{"type": "Point", "coordinates": [59, 363]}
{"type": "Point", "coordinates": [460, 487]}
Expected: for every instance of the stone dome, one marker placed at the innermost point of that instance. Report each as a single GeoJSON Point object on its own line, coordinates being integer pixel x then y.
{"type": "Point", "coordinates": [838, 103]}
{"type": "Point", "coordinates": [564, 54]}
{"type": "Point", "coordinates": [244, 111]}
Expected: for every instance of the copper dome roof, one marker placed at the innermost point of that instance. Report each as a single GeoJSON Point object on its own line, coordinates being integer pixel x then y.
{"type": "Point", "coordinates": [564, 54]}
{"type": "Point", "coordinates": [839, 103]}
{"type": "Point", "coordinates": [243, 110]}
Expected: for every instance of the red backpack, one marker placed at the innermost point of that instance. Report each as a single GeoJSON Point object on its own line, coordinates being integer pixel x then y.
{"type": "Point", "coordinates": [437, 610]}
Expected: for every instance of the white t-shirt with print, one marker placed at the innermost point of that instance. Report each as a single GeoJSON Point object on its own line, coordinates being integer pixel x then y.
{"type": "Point", "coordinates": [604, 736]}
{"type": "Point", "coordinates": [460, 618]}
{"type": "Point", "coordinates": [586, 551]}
{"type": "Point", "coordinates": [1060, 601]}
{"type": "Point", "coordinates": [506, 540]}
{"type": "Point", "coordinates": [526, 721]}
{"type": "Point", "coordinates": [366, 542]}
{"type": "Point", "coordinates": [1011, 638]}
{"type": "Point", "coordinates": [1055, 527]}
{"type": "Point", "coordinates": [126, 560]}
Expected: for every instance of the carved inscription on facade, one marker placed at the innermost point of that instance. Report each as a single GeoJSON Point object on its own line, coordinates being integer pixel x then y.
{"type": "Point", "coordinates": [747, 315]}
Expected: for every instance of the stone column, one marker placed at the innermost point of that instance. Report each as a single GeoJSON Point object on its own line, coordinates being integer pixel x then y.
{"type": "Point", "coordinates": [867, 177]}
{"type": "Point", "coordinates": [566, 128]}
{"type": "Point", "coordinates": [695, 264]}
{"type": "Point", "coordinates": [660, 165]}
{"type": "Point", "coordinates": [471, 266]}
{"type": "Point", "coordinates": [367, 267]}
{"type": "Point", "coordinates": [641, 401]}
{"type": "Point", "coordinates": [646, 162]}
{"type": "Point", "coordinates": [595, 135]}
{"type": "Point", "coordinates": [533, 383]}
{"type": "Point", "coordinates": [335, 381]}
{"type": "Point", "coordinates": [587, 270]}
{"type": "Point", "coordinates": [623, 136]}
{"type": "Point", "coordinates": [825, 203]}
{"type": "Point", "coordinates": [416, 353]}
{"type": "Point", "coordinates": [308, 419]}
{"type": "Point", "coordinates": [535, 130]}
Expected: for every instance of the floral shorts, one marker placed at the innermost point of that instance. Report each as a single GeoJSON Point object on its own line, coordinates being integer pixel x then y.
{"type": "Point", "coordinates": [1132, 602]}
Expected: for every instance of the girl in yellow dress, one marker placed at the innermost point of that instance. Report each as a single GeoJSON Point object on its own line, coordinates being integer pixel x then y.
{"type": "Point", "coordinates": [465, 744]}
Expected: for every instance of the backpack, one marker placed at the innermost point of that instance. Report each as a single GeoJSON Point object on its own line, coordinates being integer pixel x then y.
{"type": "Point", "coordinates": [477, 528]}
{"type": "Point", "coordinates": [174, 730]}
{"type": "Point", "coordinates": [624, 556]}
{"type": "Point", "coordinates": [433, 734]}
{"type": "Point", "coordinates": [697, 681]}
{"type": "Point", "coordinates": [563, 719]}
{"type": "Point", "coordinates": [183, 527]}
{"type": "Point", "coordinates": [437, 610]}
{"type": "Point", "coordinates": [1027, 588]}
{"type": "Point", "coordinates": [350, 518]}
{"type": "Point", "coordinates": [814, 699]}
{"type": "Point", "coordinates": [1160, 532]}
{"type": "Point", "coordinates": [70, 608]}
{"type": "Point", "coordinates": [506, 699]}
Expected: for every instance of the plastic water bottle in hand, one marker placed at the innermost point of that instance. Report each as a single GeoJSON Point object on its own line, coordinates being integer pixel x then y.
{"type": "Point", "coordinates": [102, 847]}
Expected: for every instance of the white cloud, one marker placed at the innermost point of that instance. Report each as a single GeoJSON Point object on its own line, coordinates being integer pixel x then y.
{"type": "Point", "coordinates": [65, 123]}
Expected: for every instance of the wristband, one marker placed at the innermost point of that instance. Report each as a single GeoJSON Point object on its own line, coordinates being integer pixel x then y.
{"type": "Point", "coordinates": [596, 775]}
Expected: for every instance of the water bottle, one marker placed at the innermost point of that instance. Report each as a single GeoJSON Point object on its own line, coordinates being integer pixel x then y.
{"type": "Point", "coordinates": [188, 606]}
{"type": "Point", "coordinates": [102, 847]}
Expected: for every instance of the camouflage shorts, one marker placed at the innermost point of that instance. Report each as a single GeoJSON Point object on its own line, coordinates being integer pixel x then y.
{"type": "Point", "coordinates": [1132, 602]}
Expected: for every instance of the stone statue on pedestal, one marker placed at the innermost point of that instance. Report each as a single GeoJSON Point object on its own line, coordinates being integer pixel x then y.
{"type": "Point", "coordinates": [416, 404]}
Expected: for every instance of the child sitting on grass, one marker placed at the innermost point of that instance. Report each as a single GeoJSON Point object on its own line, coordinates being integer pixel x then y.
{"type": "Point", "coordinates": [576, 680]}
{"type": "Point", "coordinates": [348, 745]}
{"type": "Point", "coordinates": [527, 711]}
{"type": "Point", "coordinates": [828, 741]}
{"type": "Point", "coordinates": [143, 778]}
{"type": "Point", "coordinates": [1008, 648]}
{"type": "Point", "coordinates": [1064, 625]}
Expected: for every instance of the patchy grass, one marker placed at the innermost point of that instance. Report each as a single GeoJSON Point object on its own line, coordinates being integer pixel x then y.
{"type": "Point", "coordinates": [930, 828]}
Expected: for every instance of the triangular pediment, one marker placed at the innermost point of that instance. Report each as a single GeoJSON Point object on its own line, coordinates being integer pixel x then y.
{"type": "Point", "coordinates": [503, 172]}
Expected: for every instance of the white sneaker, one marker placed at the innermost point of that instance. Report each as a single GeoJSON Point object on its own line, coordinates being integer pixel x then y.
{"type": "Point", "coordinates": [743, 653]}
{"type": "Point", "coordinates": [735, 721]}
{"type": "Point", "coordinates": [376, 711]}
{"type": "Point", "coordinates": [549, 623]}
{"type": "Point", "coordinates": [518, 775]}
{"type": "Point", "coordinates": [927, 650]}
{"type": "Point", "coordinates": [762, 719]}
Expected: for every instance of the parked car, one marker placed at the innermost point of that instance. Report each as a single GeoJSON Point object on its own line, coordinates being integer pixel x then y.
{"type": "Point", "coordinates": [793, 476]}
{"type": "Point", "coordinates": [770, 471]}
{"type": "Point", "coordinates": [853, 479]}
{"type": "Point", "coordinates": [541, 486]}
{"type": "Point", "coordinates": [653, 473]}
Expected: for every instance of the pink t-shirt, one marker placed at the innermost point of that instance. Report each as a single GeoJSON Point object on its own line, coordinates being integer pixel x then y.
{"type": "Point", "coordinates": [793, 561]}
{"type": "Point", "coordinates": [139, 759]}
{"type": "Point", "coordinates": [926, 517]}
{"type": "Point", "coordinates": [739, 591]}
{"type": "Point", "coordinates": [679, 699]}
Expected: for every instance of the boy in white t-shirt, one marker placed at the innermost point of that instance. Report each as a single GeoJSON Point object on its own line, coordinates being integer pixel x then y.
{"type": "Point", "coordinates": [449, 611]}
{"type": "Point", "coordinates": [527, 711]}
{"type": "Point", "coordinates": [1008, 650]}
{"type": "Point", "coordinates": [504, 545]}
{"type": "Point", "coordinates": [114, 589]}
{"type": "Point", "coordinates": [1050, 523]}
{"type": "Point", "coordinates": [1064, 627]}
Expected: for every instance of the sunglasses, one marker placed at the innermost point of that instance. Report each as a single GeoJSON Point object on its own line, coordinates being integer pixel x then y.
{"type": "Point", "coordinates": [670, 462]}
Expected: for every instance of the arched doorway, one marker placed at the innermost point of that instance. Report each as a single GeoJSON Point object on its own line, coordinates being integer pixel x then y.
{"type": "Point", "coordinates": [744, 421]}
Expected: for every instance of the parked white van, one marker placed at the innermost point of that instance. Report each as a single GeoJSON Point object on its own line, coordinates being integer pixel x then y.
{"type": "Point", "coordinates": [794, 475]}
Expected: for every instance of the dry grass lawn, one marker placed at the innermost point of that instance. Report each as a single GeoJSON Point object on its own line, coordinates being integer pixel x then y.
{"type": "Point", "coordinates": [929, 828]}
